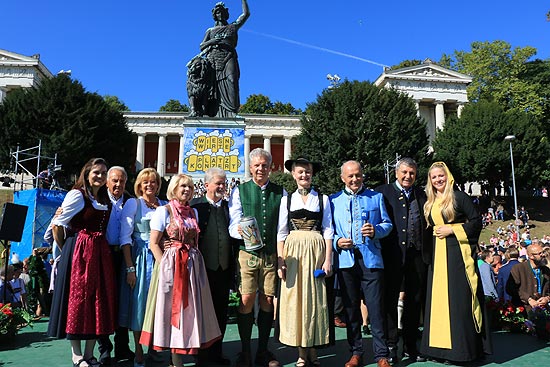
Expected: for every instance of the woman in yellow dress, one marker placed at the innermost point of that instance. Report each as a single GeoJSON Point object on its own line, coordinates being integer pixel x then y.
{"type": "Point", "coordinates": [454, 328]}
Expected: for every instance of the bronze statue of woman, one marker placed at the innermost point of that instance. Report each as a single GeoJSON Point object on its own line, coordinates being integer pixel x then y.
{"type": "Point", "coordinates": [219, 48]}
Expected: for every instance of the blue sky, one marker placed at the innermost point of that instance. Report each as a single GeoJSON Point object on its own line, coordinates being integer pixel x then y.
{"type": "Point", "coordinates": [137, 50]}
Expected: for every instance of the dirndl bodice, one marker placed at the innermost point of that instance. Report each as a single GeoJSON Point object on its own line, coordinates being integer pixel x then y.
{"type": "Point", "coordinates": [305, 220]}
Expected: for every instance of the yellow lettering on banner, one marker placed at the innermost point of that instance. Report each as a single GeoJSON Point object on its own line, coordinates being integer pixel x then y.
{"type": "Point", "coordinates": [219, 162]}
{"type": "Point", "coordinates": [199, 163]}
{"type": "Point", "coordinates": [233, 163]}
{"type": "Point", "coordinates": [206, 162]}
{"type": "Point", "coordinates": [227, 144]}
{"type": "Point", "coordinates": [201, 144]}
{"type": "Point", "coordinates": [191, 162]}
{"type": "Point", "coordinates": [214, 144]}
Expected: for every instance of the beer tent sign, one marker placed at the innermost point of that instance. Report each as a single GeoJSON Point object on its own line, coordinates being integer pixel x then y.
{"type": "Point", "coordinates": [205, 148]}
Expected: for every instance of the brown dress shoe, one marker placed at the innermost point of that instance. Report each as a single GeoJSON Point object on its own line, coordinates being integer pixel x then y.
{"type": "Point", "coordinates": [267, 359]}
{"type": "Point", "coordinates": [338, 322]}
{"type": "Point", "coordinates": [354, 361]}
{"type": "Point", "coordinates": [383, 362]}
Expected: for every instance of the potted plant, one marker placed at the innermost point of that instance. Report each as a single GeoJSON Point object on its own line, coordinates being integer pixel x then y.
{"type": "Point", "coordinates": [11, 320]}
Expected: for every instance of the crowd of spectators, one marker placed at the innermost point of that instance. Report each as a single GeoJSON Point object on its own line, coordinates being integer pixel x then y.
{"type": "Point", "coordinates": [200, 188]}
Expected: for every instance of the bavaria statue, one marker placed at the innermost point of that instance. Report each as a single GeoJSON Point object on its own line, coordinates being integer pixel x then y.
{"type": "Point", "coordinates": [213, 75]}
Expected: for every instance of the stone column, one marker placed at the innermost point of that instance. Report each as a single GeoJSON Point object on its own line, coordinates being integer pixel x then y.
{"type": "Point", "coordinates": [246, 158]}
{"type": "Point", "coordinates": [181, 153]}
{"type": "Point", "coordinates": [439, 115]}
{"type": "Point", "coordinates": [140, 152]}
{"type": "Point", "coordinates": [459, 110]}
{"type": "Point", "coordinates": [417, 105]}
{"type": "Point", "coordinates": [287, 149]}
{"type": "Point", "coordinates": [161, 155]}
{"type": "Point", "coordinates": [267, 143]}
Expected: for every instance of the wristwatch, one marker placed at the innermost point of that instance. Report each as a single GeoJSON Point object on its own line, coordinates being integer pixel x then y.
{"type": "Point", "coordinates": [130, 269]}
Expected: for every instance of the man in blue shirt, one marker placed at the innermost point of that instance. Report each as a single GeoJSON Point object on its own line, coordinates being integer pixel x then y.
{"type": "Point", "coordinates": [360, 220]}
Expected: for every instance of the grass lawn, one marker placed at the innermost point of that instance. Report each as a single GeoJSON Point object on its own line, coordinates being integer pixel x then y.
{"type": "Point", "coordinates": [539, 215]}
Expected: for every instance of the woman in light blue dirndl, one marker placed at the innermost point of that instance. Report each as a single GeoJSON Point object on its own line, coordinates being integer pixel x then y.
{"type": "Point", "coordinates": [134, 237]}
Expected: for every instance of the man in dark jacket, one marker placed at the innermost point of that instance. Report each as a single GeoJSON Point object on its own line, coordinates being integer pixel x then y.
{"type": "Point", "coordinates": [402, 254]}
{"type": "Point", "coordinates": [512, 254]}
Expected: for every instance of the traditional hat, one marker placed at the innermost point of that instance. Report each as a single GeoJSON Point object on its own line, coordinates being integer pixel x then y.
{"type": "Point", "coordinates": [316, 166]}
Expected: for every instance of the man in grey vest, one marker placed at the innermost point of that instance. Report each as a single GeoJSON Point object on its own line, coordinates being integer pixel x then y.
{"type": "Point", "coordinates": [258, 198]}
{"type": "Point", "coordinates": [217, 250]}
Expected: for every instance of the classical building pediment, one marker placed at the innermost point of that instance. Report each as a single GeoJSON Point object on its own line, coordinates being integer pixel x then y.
{"type": "Point", "coordinates": [6, 56]}
{"type": "Point", "coordinates": [20, 71]}
{"type": "Point", "coordinates": [427, 82]}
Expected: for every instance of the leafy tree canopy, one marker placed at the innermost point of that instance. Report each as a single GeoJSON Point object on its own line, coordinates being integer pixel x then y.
{"type": "Point", "coordinates": [260, 104]}
{"type": "Point", "coordinates": [537, 73]}
{"type": "Point", "coordinates": [359, 121]}
{"type": "Point", "coordinates": [496, 70]}
{"type": "Point", "coordinates": [173, 105]}
{"type": "Point", "coordinates": [116, 103]}
{"type": "Point", "coordinates": [475, 150]}
{"type": "Point", "coordinates": [74, 123]}
{"type": "Point", "coordinates": [406, 64]}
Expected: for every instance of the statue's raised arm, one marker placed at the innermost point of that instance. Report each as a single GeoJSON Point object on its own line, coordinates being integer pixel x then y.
{"type": "Point", "coordinates": [244, 16]}
{"type": "Point", "coordinates": [219, 57]}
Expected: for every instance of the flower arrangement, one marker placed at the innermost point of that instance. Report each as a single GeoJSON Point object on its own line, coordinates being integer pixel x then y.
{"type": "Point", "coordinates": [516, 319]}
{"type": "Point", "coordinates": [539, 322]}
{"type": "Point", "coordinates": [12, 319]}
{"type": "Point", "coordinates": [513, 318]}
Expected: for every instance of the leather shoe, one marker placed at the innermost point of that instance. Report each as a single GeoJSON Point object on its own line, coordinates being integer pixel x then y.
{"type": "Point", "coordinates": [267, 359]}
{"type": "Point", "coordinates": [383, 362]}
{"type": "Point", "coordinates": [417, 358]}
{"type": "Point", "coordinates": [392, 358]}
{"type": "Point", "coordinates": [338, 322]}
{"type": "Point", "coordinates": [124, 355]}
{"type": "Point", "coordinates": [355, 361]}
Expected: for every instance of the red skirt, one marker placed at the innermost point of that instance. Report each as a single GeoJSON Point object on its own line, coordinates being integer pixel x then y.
{"type": "Point", "coordinates": [91, 308]}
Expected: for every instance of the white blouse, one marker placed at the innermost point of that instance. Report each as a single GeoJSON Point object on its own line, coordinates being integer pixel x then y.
{"type": "Point", "coordinates": [311, 204]}
{"type": "Point", "coordinates": [161, 218]}
{"type": "Point", "coordinates": [127, 218]}
{"type": "Point", "coordinates": [72, 205]}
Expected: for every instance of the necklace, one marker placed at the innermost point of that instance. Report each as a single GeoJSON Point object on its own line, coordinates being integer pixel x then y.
{"type": "Point", "coordinates": [152, 205]}
{"type": "Point", "coordinates": [304, 192]}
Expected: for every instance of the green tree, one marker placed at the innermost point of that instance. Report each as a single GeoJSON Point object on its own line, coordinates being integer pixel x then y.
{"type": "Point", "coordinates": [496, 71]}
{"type": "Point", "coordinates": [74, 123]}
{"type": "Point", "coordinates": [173, 105]}
{"type": "Point", "coordinates": [284, 179]}
{"type": "Point", "coordinates": [359, 121]}
{"type": "Point", "coordinates": [260, 104]}
{"type": "Point", "coordinates": [406, 64]}
{"type": "Point", "coordinates": [116, 103]}
{"type": "Point", "coordinates": [537, 73]}
{"type": "Point", "coordinates": [474, 148]}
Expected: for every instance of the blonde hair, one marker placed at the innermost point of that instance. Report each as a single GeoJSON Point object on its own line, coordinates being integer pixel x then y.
{"type": "Point", "coordinates": [175, 182]}
{"type": "Point", "coordinates": [144, 174]}
{"type": "Point", "coordinates": [448, 197]}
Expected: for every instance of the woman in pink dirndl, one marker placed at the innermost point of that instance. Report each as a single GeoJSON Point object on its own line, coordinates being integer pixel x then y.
{"type": "Point", "coordinates": [179, 306]}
